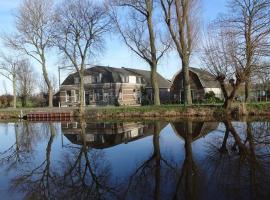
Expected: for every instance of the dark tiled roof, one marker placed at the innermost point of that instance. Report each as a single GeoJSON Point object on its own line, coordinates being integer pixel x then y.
{"type": "Point", "coordinates": [207, 79]}
{"type": "Point", "coordinates": [114, 75]}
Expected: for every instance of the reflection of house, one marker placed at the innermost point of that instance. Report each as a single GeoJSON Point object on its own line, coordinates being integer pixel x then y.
{"type": "Point", "coordinates": [111, 86]}
{"type": "Point", "coordinates": [103, 135]}
{"type": "Point", "coordinates": [197, 129]}
{"type": "Point", "coordinates": [201, 82]}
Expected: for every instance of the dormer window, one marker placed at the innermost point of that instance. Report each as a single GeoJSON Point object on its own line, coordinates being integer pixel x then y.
{"type": "Point", "coordinates": [76, 80]}
{"type": "Point", "coordinates": [139, 79]}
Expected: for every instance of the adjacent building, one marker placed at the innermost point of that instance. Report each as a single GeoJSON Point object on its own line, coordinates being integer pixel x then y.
{"type": "Point", "coordinates": [113, 86]}
{"type": "Point", "coordinates": [201, 82]}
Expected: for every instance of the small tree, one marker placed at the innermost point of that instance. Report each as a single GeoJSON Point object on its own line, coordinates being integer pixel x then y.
{"type": "Point", "coordinates": [79, 31]}
{"type": "Point", "coordinates": [9, 69]}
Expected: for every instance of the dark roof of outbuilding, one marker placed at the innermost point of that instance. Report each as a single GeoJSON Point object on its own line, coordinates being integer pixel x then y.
{"type": "Point", "coordinates": [114, 75]}
{"type": "Point", "coordinates": [207, 79]}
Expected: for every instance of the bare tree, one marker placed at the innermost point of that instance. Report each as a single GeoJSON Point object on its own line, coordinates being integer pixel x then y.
{"type": "Point", "coordinates": [8, 68]}
{"type": "Point", "coordinates": [79, 32]}
{"type": "Point", "coordinates": [249, 22]}
{"type": "Point", "coordinates": [26, 81]}
{"type": "Point", "coordinates": [181, 17]}
{"type": "Point", "coordinates": [237, 44]}
{"type": "Point", "coordinates": [216, 57]}
{"type": "Point", "coordinates": [140, 31]}
{"type": "Point", "coordinates": [33, 34]}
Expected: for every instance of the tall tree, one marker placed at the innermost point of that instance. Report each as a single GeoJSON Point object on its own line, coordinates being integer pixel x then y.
{"type": "Point", "coordinates": [181, 17]}
{"type": "Point", "coordinates": [135, 22]}
{"type": "Point", "coordinates": [8, 68]}
{"type": "Point", "coordinates": [236, 44]}
{"type": "Point", "coordinates": [33, 34]}
{"type": "Point", "coordinates": [249, 21]}
{"type": "Point", "coordinates": [79, 31]}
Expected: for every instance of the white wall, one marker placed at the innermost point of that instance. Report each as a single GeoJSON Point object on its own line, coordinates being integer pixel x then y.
{"type": "Point", "coordinates": [217, 92]}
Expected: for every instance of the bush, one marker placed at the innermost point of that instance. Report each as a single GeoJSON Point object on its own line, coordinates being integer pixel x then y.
{"type": "Point", "coordinates": [210, 97]}
{"type": "Point", "coordinates": [6, 101]}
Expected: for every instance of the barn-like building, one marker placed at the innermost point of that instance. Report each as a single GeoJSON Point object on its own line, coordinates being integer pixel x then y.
{"type": "Point", "coordinates": [201, 82]}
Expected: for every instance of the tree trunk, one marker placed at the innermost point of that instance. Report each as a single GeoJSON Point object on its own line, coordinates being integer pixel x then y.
{"type": "Point", "coordinates": [155, 86]}
{"type": "Point", "coordinates": [82, 95]}
{"type": "Point", "coordinates": [247, 91]}
{"type": "Point", "coordinates": [157, 129]}
{"type": "Point", "coordinates": [228, 104]}
{"type": "Point", "coordinates": [47, 80]}
{"type": "Point", "coordinates": [187, 91]}
{"type": "Point", "coordinates": [14, 92]}
{"type": "Point", "coordinates": [23, 99]}
{"type": "Point", "coordinates": [189, 164]}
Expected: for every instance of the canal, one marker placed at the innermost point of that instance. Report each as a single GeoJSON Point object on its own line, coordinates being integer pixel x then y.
{"type": "Point", "coordinates": [170, 159]}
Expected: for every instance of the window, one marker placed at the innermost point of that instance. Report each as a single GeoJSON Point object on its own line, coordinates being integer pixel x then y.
{"type": "Point", "coordinates": [138, 80]}
{"type": "Point", "coordinates": [91, 95]}
{"type": "Point", "coordinates": [132, 79]}
{"type": "Point", "coordinates": [87, 79]}
{"type": "Point", "coordinates": [76, 80]}
{"type": "Point", "coordinates": [68, 97]}
{"type": "Point", "coordinates": [98, 95]}
{"type": "Point", "coordinates": [99, 78]}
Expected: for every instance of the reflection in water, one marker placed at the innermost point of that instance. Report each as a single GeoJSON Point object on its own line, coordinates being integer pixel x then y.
{"type": "Point", "coordinates": [239, 163]}
{"type": "Point", "coordinates": [226, 160]}
{"type": "Point", "coordinates": [104, 135]}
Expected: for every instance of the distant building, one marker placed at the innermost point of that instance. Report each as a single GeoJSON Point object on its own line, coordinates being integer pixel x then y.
{"type": "Point", "coordinates": [201, 82]}
{"type": "Point", "coordinates": [112, 86]}
{"type": "Point", "coordinates": [260, 91]}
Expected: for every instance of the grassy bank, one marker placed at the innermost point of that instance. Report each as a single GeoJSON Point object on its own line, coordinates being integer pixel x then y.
{"type": "Point", "coordinates": [153, 111]}
{"type": "Point", "coordinates": [163, 111]}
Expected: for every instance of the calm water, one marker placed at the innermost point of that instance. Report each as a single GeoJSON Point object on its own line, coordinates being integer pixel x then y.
{"type": "Point", "coordinates": [135, 160]}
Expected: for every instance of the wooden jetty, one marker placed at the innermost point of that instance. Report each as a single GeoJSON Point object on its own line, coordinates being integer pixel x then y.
{"type": "Point", "coordinates": [48, 116]}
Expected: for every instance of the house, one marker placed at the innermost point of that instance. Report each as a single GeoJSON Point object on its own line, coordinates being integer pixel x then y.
{"type": "Point", "coordinates": [112, 86]}
{"type": "Point", "coordinates": [201, 82]}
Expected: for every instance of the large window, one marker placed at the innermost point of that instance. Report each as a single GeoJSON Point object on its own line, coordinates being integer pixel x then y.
{"type": "Point", "coordinates": [98, 95]}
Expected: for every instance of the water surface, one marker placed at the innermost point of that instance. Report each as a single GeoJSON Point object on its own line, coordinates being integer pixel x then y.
{"type": "Point", "coordinates": [135, 160]}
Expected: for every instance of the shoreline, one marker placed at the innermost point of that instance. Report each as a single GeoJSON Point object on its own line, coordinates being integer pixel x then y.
{"type": "Point", "coordinates": [150, 112]}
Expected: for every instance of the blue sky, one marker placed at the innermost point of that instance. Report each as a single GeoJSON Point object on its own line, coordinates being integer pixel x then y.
{"type": "Point", "coordinates": [116, 53]}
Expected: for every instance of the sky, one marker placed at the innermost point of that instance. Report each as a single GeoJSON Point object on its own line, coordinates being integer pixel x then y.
{"type": "Point", "coordinates": [116, 54]}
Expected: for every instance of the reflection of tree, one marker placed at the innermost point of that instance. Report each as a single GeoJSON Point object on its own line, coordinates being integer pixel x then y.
{"type": "Point", "coordinates": [18, 152]}
{"type": "Point", "coordinates": [146, 180]}
{"type": "Point", "coordinates": [187, 184]}
{"type": "Point", "coordinates": [237, 166]}
{"type": "Point", "coordinates": [86, 173]}
{"type": "Point", "coordinates": [36, 183]}
{"type": "Point", "coordinates": [83, 175]}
